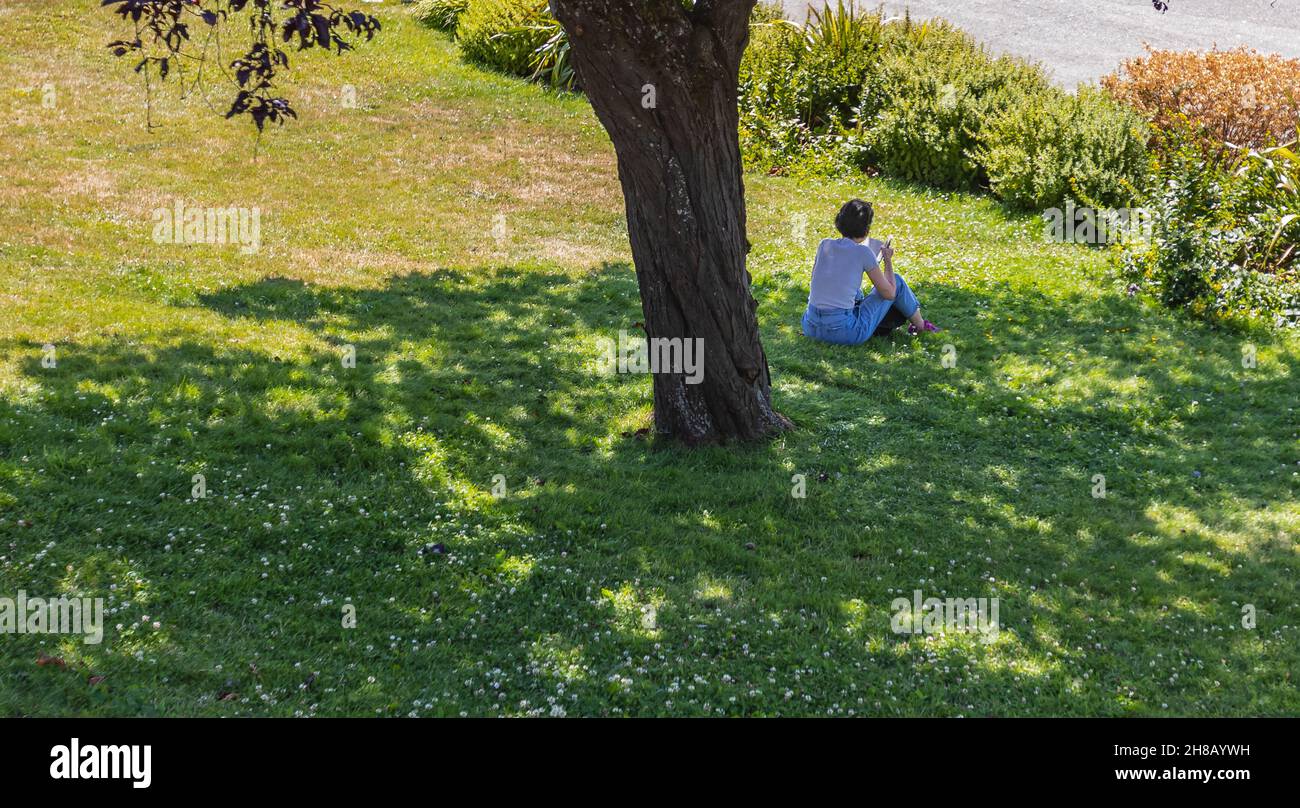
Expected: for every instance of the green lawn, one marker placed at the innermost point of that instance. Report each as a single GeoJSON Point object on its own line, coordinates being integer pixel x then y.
{"type": "Point", "coordinates": [615, 576]}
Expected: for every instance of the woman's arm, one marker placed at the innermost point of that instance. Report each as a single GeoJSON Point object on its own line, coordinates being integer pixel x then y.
{"type": "Point", "coordinates": [883, 281]}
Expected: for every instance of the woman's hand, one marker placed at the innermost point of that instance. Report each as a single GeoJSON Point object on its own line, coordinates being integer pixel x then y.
{"type": "Point", "coordinates": [887, 253]}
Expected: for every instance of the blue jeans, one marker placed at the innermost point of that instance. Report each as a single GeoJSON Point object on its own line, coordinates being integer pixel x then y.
{"type": "Point", "coordinates": [857, 325]}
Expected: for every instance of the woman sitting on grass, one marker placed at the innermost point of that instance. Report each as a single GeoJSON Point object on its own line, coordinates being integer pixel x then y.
{"type": "Point", "coordinates": [838, 312]}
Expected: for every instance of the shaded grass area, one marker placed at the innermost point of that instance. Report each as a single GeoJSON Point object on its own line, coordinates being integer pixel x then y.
{"type": "Point", "coordinates": [614, 576]}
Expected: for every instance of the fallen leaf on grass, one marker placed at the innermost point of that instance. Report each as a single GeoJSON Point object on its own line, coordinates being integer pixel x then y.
{"type": "Point", "coordinates": [43, 660]}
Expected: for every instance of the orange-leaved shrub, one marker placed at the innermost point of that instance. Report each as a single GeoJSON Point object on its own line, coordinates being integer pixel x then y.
{"type": "Point", "coordinates": [1239, 96]}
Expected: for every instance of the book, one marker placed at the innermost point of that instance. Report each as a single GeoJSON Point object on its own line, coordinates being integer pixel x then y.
{"type": "Point", "coordinates": [876, 246]}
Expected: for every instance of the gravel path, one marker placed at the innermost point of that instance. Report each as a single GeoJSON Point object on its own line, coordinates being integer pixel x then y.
{"type": "Point", "coordinates": [1082, 41]}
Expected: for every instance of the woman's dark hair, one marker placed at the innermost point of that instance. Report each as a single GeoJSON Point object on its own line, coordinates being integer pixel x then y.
{"type": "Point", "coordinates": [854, 219]}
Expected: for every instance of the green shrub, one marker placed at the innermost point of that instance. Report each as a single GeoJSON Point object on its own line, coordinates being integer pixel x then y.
{"type": "Point", "coordinates": [768, 68]}
{"type": "Point", "coordinates": [503, 34]}
{"type": "Point", "coordinates": [840, 47]}
{"type": "Point", "coordinates": [926, 112]}
{"type": "Point", "coordinates": [519, 37]}
{"type": "Point", "coordinates": [772, 130]}
{"type": "Point", "coordinates": [765, 12]}
{"type": "Point", "coordinates": [1227, 232]}
{"type": "Point", "coordinates": [800, 86]}
{"type": "Point", "coordinates": [440, 14]}
{"type": "Point", "coordinates": [1053, 146]}
{"type": "Point", "coordinates": [550, 61]}
{"type": "Point", "coordinates": [925, 102]}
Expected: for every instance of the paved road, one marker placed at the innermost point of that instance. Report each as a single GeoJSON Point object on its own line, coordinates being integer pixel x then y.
{"type": "Point", "coordinates": [1082, 40]}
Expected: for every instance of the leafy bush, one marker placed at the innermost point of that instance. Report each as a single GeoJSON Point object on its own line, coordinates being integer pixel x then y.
{"type": "Point", "coordinates": [1055, 146]}
{"type": "Point", "coordinates": [550, 61]}
{"type": "Point", "coordinates": [772, 126]}
{"type": "Point", "coordinates": [440, 14]}
{"type": "Point", "coordinates": [840, 47]}
{"type": "Point", "coordinates": [800, 85]}
{"type": "Point", "coordinates": [765, 12]}
{"type": "Point", "coordinates": [925, 102]}
{"type": "Point", "coordinates": [768, 68]}
{"type": "Point", "coordinates": [1238, 96]}
{"type": "Point", "coordinates": [1227, 233]}
{"type": "Point", "coordinates": [926, 112]}
{"type": "Point", "coordinates": [504, 34]}
{"type": "Point", "coordinates": [519, 37]}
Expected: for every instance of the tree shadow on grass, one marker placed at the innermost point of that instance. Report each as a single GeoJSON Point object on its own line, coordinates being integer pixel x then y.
{"type": "Point", "coordinates": [639, 578]}
{"type": "Point", "coordinates": [1047, 449]}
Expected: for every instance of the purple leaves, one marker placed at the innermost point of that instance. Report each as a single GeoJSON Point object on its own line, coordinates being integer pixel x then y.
{"type": "Point", "coordinates": [162, 36]}
{"type": "Point", "coordinates": [261, 109]}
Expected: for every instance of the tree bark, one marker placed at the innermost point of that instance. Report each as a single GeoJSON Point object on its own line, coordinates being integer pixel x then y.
{"type": "Point", "coordinates": [663, 82]}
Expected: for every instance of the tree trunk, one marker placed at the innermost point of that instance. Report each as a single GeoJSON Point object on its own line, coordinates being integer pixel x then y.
{"type": "Point", "coordinates": [663, 82]}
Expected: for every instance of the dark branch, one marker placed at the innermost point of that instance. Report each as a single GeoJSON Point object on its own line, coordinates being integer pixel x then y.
{"type": "Point", "coordinates": [162, 39]}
